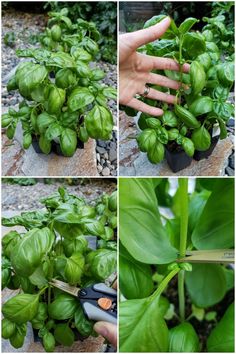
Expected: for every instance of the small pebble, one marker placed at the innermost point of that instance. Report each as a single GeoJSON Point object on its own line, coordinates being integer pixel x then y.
{"type": "Point", "coordinates": [229, 171]}
{"type": "Point", "coordinates": [99, 167]}
{"type": "Point", "coordinates": [106, 171]}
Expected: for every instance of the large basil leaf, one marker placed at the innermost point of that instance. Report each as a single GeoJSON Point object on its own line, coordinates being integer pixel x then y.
{"type": "Point", "coordinates": [215, 228]}
{"type": "Point", "coordinates": [27, 255]}
{"type": "Point", "coordinates": [21, 308]}
{"type": "Point", "coordinates": [8, 328]}
{"type": "Point", "coordinates": [83, 325]}
{"type": "Point", "coordinates": [197, 203]}
{"type": "Point", "coordinates": [183, 339]}
{"type": "Point", "coordinates": [74, 268]}
{"type": "Point", "coordinates": [56, 99]}
{"type": "Point", "coordinates": [135, 278]}
{"type": "Point", "coordinates": [9, 241]}
{"type": "Point", "coordinates": [61, 60]}
{"type": "Point", "coordinates": [68, 142]}
{"type": "Point", "coordinates": [78, 244]}
{"type": "Point", "coordinates": [79, 98]}
{"type": "Point", "coordinates": [206, 284]}
{"type": "Point", "coordinates": [201, 139]}
{"type": "Point", "coordinates": [102, 263]}
{"type": "Point", "coordinates": [34, 75]}
{"type": "Point", "coordinates": [64, 334]}
{"type": "Point", "coordinates": [99, 123]}
{"type": "Point", "coordinates": [63, 307]}
{"type": "Point", "coordinates": [141, 230]}
{"type": "Point", "coordinates": [17, 339]}
{"type": "Point", "coordinates": [44, 120]}
{"type": "Point", "coordinates": [142, 327]}
{"type": "Point", "coordinates": [221, 338]}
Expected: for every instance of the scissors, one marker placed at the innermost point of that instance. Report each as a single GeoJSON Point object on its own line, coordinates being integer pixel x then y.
{"type": "Point", "coordinates": [98, 301]}
{"type": "Point", "coordinates": [208, 256]}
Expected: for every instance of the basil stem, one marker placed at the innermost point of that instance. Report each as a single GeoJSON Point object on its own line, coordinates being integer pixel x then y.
{"type": "Point", "coordinates": [183, 188]}
{"type": "Point", "coordinates": [164, 283]}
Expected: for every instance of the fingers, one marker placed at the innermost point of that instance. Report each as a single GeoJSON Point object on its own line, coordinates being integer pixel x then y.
{"type": "Point", "coordinates": [157, 63]}
{"type": "Point", "coordinates": [107, 330]}
{"type": "Point", "coordinates": [163, 81]}
{"type": "Point", "coordinates": [161, 96]}
{"type": "Point", "coordinates": [145, 108]}
{"type": "Point", "coordinates": [148, 35]}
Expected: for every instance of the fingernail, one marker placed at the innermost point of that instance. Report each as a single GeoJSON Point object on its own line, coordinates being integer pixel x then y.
{"type": "Point", "coordinates": [101, 329]}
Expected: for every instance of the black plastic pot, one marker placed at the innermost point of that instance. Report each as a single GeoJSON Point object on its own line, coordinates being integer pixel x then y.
{"type": "Point", "coordinates": [200, 155]}
{"type": "Point", "coordinates": [55, 146]}
{"type": "Point", "coordinates": [177, 160]}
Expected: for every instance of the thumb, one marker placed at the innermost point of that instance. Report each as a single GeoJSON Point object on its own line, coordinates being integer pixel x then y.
{"type": "Point", "coordinates": [107, 330]}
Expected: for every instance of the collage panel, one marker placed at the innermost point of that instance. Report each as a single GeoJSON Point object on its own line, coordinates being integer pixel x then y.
{"type": "Point", "coordinates": [176, 88]}
{"type": "Point", "coordinates": [176, 271]}
{"type": "Point", "coordinates": [59, 88]}
{"type": "Point", "coordinates": [59, 264]}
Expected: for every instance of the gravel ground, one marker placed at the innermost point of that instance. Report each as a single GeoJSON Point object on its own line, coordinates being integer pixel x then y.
{"type": "Point", "coordinates": [26, 27]}
{"type": "Point", "coordinates": [21, 198]}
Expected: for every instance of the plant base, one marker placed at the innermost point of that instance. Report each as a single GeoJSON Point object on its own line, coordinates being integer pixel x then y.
{"type": "Point", "coordinates": [200, 155]}
{"type": "Point", "coordinates": [177, 160]}
{"type": "Point", "coordinates": [55, 146]}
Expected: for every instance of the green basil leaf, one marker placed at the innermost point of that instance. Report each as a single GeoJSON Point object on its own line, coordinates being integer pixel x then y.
{"type": "Point", "coordinates": [102, 263]}
{"type": "Point", "coordinates": [79, 244]}
{"type": "Point", "coordinates": [188, 146]}
{"type": "Point", "coordinates": [99, 123]}
{"type": "Point", "coordinates": [169, 119]}
{"type": "Point", "coordinates": [9, 241]}
{"type": "Point", "coordinates": [8, 328]}
{"type": "Point", "coordinates": [221, 338]}
{"type": "Point", "coordinates": [61, 60]}
{"type": "Point", "coordinates": [31, 78]}
{"type": "Point", "coordinates": [65, 78]}
{"type": "Point", "coordinates": [27, 255]}
{"type": "Point", "coordinates": [49, 342]}
{"type": "Point", "coordinates": [66, 302]}
{"type": "Point", "coordinates": [193, 44]}
{"type": "Point", "coordinates": [147, 139]}
{"type": "Point", "coordinates": [17, 340]}
{"type": "Point", "coordinates": [21, 308]}
{"type": "Point", "coordinates": [95, 228]}
{"type": "Point", "coordinates": [135, 278]}
{"type": "Point", "coordinates": [74, 268]}
{"type": "Point", "coordinates": [64, 334]}
{"type": "Point", "coordinates": [97, 74]}
{"type": "Point", "coordinates": [44, 120]}
{"type": "Point", "coordinates": [187, 24]}
{"type": "Point", "coordinates": [141, 230]}
{"type": "Point", "coordinates": [53, 131]}
{"type": "Point", "coordinates": [79, 98]}
{"type": "Point", "coordinates": [83, 325]}
{"type": "Point", "coordinates": [38, 278]}
{"type": "Point", "coordinates": [142, 327]}
{"type": "Point", "coordinates": [206, 284]}
{"type": "Point", "coordinates": [82, 69]}
{"type": "Point", "coordinates": [56, 99]}
{"type": "Point", "coordinates": [110, 92]}
{"type": "Point", "coordinates": [184, 339]}
{"type": "Point", "coordinates": [201, 139]}
{"type": "Point", "coordinates": [68, 142]}
{"type": "Point", "coordinates": [217, 219]}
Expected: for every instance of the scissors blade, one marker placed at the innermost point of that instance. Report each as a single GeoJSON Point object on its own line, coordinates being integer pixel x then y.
{"type": "Point", "coordinates": [209, 256]}
{"type": "Point", "coordinates": [65, 287]}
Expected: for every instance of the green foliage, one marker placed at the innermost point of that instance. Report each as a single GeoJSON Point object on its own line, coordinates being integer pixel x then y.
{"type": "Point", "coordinates": [54, 245]}
{"type": "Point", "coordinates": [152, 239]}
{"type": "Point", "coordinates": [74, 105]}
{"type": "Point", "coordinates": [204, 92]}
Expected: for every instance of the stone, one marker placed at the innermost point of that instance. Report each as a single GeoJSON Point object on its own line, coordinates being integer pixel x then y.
{"type": "Point", "coordinates": [231, 122]}
{"type": "Point", "coordinates": [105, 156]}
{"type": "Point", "coordinates": [99, 167]}
{"type": "Point", "coordinates": [113, 155]}
{"type": "Point", "coordinates": [231, 161]}
{"type": "Point", "coordinates": [106, 171]}
{"type": "Point", "coordinates": [16, 161]}
{"type": "Point", "coordinates": [229, 171]}
{"type": "Point", "coordinates": [98, 157]}
{"type": "Point", "coordinates": [101, 143]}
{"type": "Point", "coordinates": [102, 161]}
{"type": "Point", "coordinates": [100, 150]}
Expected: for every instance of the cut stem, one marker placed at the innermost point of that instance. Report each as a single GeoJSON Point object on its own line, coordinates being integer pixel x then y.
{"type": "Point", "coordinates": [181, 295]}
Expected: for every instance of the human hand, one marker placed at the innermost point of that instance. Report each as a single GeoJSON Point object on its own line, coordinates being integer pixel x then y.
{"type": "Point", "coordinates": [107, 330]}
{"type": "Point", "coordinates": [135, 69]}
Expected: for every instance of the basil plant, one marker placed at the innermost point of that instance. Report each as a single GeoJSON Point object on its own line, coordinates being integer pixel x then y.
{"type": "Point", "coordinates": [54, 245]}
{"type": "Point", "coordinates": [63, 100]}
{"type": "Point", "coordinates": [167, 305]}
{"type": "Point", "coordinates": [203, 94]}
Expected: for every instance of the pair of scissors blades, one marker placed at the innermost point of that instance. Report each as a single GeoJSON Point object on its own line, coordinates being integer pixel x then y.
{"type": "Point", "coordinates": [98, 301]}
{"type": "Point", "coordinates": [209, 256]}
